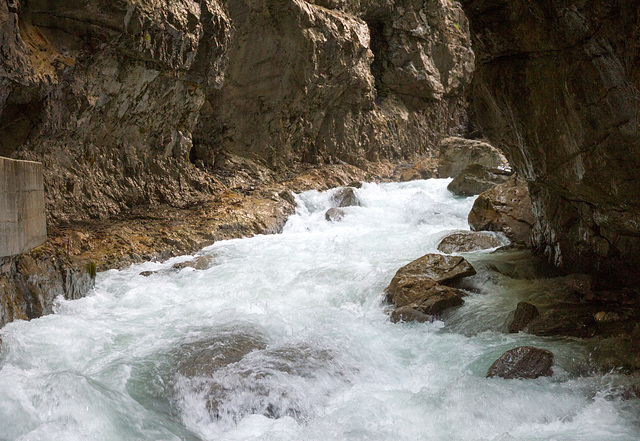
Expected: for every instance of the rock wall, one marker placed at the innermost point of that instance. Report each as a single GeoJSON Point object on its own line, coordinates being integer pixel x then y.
{"type": "Point", "coordinates": [129, 102]}
{"type": "Point", "coordinates": [557, 88]}
{"type": "Point", "coordinates": [23, 224]}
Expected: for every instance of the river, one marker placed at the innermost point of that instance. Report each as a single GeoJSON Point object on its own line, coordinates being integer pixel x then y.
{"type": "Point", "coordinates": [287, 337]}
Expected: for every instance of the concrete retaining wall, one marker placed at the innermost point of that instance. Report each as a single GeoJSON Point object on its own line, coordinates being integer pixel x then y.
{"type": "Point", "coordinates": [23, 224]}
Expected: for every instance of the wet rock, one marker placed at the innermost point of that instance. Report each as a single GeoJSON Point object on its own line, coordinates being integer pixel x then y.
{"type": "Point", "coordinates": [421, 283]}
{"type": "Point", "coordinates": [468, 241]}
{"type": "Point", "coordinates": [425, 169]}
{"type": "Point", "coordinates": [355, 184]}
{"type": "Point", "coordinates": [523, 315]}
{"type": "Point", "coordinates": [199, 263]}
{"type": "Point", "coordinates": [409, 314]}
{"type": "Point", "coordinates": [345, 197]}
{"type": "Point", "coordinates": [147, 273]}
{"type": "Point", "coordinates": [523, 362]}
{"type": "Point", "coordinates": [504, 208]}
{"type": "Point", "coordinates": [334, 214]}
{"type": "Point", "coordinates": [564, 321]}
{"type": "Point", "coordinates": [475, 179]}
{"type": "Point", "coordinates": [457, 153]}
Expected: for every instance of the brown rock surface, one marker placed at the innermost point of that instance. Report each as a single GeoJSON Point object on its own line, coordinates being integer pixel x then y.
{"type": "Point", "coordinates": [420, 284]}
{"type": "Point", "coordinates": [425, 169]}
{"type": "Point", "coordinates": [523, 362]}
{"type": "Point", "coordinates": [505, 208]}
{"type": "Point", "coordinates": [557, 88]}
{"type": "Point", "coordinates": [457, 153]}
{"type": "Point", "coordinates": [475, 179]}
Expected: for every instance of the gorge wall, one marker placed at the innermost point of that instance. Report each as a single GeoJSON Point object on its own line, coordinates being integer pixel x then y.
{"type": "Point", "coordinates": [143, 102]}
{"type": "Point", "coordinates": [557, 88]}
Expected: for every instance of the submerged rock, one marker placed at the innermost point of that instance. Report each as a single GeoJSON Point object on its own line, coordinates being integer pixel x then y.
{"type": "Point", "coordinates": [345, 197]}
{"type": "Point", "coordinates": [475, 179]}
{"type": "Point", "coordinates": [409, 314]}
{"type": "Point", "coordinates": [505, 208]}
{"type": "Point", "coordinates": [523, 362]}
{"type": "Point", "coordinates": [523, 315]}
{"type": "Point", "coordinates": [421, 283]}
{"type": "Point", "coordinates": [199, 263]}
{"type": "Point", "coordinates": [457, 153]}
{"type": "Point", "coordinates": [334, 214]}
{"type": "Point", "coordinates": [467, 241]}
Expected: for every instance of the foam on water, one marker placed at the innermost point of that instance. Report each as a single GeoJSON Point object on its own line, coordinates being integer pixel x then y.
{"type": "Point", "coordinates": [285, 337]}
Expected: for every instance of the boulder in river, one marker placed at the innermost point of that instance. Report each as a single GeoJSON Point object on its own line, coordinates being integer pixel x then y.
{"type": "Point", "coordinates": [457, 153]}
{"type": "Point", "coordinates": [504, 208]}
{"type": "Point", "coordinates": [475, 179]}
{"type": "Point", "coordinates": [345, 197]}
{"type": "Point", "coordinates": [467, 241]}
{"type": "Point", "coordinates": [334, 214]}
{"type": "Point", "coordinates": [523, 362]}
{"type": "Point", "coordinates": [421, 283]}
{"type": "Point", "coordinates": [523, 315]}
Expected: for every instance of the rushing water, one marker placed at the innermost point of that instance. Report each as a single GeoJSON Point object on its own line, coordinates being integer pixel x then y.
{"type": "Point", "coordinates": [285, 337]}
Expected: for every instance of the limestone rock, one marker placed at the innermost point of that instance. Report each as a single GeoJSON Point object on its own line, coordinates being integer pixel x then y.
{"type": "Point", "coordinates": [409, 314]}
{"type": "Point", "coordinates": [468, 241]}
{"type": "Point", "coordinates": [475, 179]}
{"type": "Point", "coordinates": [334, 214]}
{"type": "Point", "coordinates": [565, 112]}
{"type": "Point", "coordinates": [458, 153]}
{"type": "Point", "coordinates": [523, 315]}
{"type": "Point", "coordinates": [504, 208]}
{"type": "Point", "coordinates": [523, 362]}
{"type": "Point", "coordinates": [345, 197]}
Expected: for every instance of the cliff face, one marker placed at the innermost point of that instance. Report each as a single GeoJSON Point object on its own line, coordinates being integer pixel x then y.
{"type": "Point", "coordinates": [138, 102]}
{"type": "Point", "coordinates": [557, 88]}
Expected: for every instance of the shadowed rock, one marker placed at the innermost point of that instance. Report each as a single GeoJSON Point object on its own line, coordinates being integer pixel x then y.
{"type": "Point", "coordinates": [523, 315]}
{"type": "Point", "coordinates": [523, 362]}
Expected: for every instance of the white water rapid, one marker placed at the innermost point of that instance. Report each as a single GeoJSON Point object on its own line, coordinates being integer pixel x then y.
{"type": "Point", "coordinates": [286, 337]}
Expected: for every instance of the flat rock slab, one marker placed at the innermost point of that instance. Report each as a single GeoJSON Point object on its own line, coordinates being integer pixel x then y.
{"type": "Point", "coordinates": [523, 362]}
{"type": "Point", "coordinates": [468, 241]}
